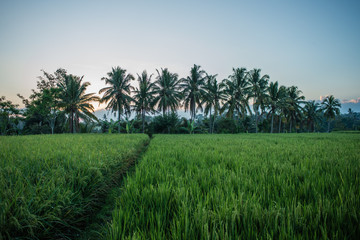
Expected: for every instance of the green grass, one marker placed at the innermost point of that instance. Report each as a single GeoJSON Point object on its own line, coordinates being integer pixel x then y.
{"type": "Point", "coordinates": [50, 185]}
{"type": "Point", "coordinates": [283, 186]}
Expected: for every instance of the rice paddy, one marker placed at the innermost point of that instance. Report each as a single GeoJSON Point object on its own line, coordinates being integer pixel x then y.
{"type": "Point", "coordinates": [244, 186]}
{"type": "Point", "coordinates": [280, 186]}
{"type": "Point", "coordinates": [51, 183]}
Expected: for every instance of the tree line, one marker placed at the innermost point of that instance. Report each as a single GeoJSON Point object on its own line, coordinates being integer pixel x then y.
{"type": "Point", "coordinates": [246, 101]}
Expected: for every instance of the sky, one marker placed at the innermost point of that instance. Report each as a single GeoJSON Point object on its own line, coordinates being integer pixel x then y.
{"type": "Point", "coordinates": [310, 44]}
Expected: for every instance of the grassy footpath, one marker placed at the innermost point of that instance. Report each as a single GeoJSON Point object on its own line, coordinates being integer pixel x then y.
{"type": "Point", "coordinates": [50, 185]}
{"type": "Point", "coordinates": [96, 227]}
{"type": "Point", "coordinates": [281, 186]}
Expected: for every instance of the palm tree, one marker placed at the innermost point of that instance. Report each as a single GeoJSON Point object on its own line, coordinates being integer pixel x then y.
{"type": "Point", "coordinates": [117, 95]}
{"type": "Point", "coordinates": [74, 101]}
{"type": "Point", "coordinates": [294, 100]}
{"type": "Point", "coordinates": [167, 90]}
{"type": "Point", "coordinates": [331, 107]}
{"type": "Point", "coordinates": [193, 90]}
{"type": "Point", "coordinates": [282, 104]}
{"type": "Point", "coordinates": [214, 94]}
{"type": "Point", "coordinates": [274, 94]}
{"type": "Point", "coordinates": [237, 91]}
{"type": "Point", "coordinates": [311, 114]}
{"type": "Point", "coordinates": [144, 96]}
{"type": "Point", "coordinates": [258, 86]}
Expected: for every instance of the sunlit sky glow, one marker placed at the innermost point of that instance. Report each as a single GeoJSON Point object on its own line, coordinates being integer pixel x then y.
{"type": "Point", "coordinates": [311, 44]}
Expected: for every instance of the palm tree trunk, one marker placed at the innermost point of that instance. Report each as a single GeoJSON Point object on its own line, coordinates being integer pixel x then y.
{"type": "Point", "coordinates": [279, 124]}
{"type": "Point", "coordinates": [210, 122]}
{"type": "Point", "coordinates": [238, 123]}
{"type": "Point", "coordinates": [71, 123]}
{"type": "Point", "coordinates": [213, 122]}
{"type": "Point", "coordinates": [272, 122]}
{"type": "Point", "coordinates": [328, 126]}
{"type": "Point", "coordinates": [119, 125]}
{"type": "Point", "coordinates": [290, 125]}
{"type": "Point", "coordinates": [143, 120]}
{"type": "Point", "coordinates": [77, 123]}
{"type": "Point", "coordinates": [256, 121]}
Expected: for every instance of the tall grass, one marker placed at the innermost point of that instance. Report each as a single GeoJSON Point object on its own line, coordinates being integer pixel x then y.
{"type": "Point", "coordinates": [280, 186]}
{"type": "Point", "coordinates": [51, 183]}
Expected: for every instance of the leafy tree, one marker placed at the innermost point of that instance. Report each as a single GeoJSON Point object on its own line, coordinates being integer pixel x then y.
{"type": "Point", "coordinates": [144, 96]}
{"type": "Point", "coordinates": [8, 112]}
{"type": "Point", "coordinates": [351, 116]}
{"type": "Point", "coordinates": [226, 125]}
{"type": "Point", "coordinates": [168, 123]}
{"type": "Point", "coordinates": [130, 126]}
{"type": "Point", "coordinates": [258, 85]}
{"type": "Point", "coordinates": [42, 111]}
{"type": "Point", "coordinates": [188, 126]}
{"type": "Point", "coordinates": [331, 107]}
{"type": "Point", "coordinates": [117, 95]}
{"type": "Point", "coordinates": [214, 95]}
{"type": "Point", "coordinates": [246, 123]}
{"type": "Point", "coordinates": [74, 101]}
{"type": "Point", "coordinates": [168, 91]}
{"type": "Point", "coordinates": [193, 90]}
{"type": "Point", "coordinates": [88, 125]}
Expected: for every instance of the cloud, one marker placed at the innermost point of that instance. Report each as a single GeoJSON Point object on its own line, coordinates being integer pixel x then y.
{"type": "Point", "coordinates": [351, 100]}
{"type": "Point", "coordinates": [323, 97]}
{"type": "Point", "coordinates": [342, 101]}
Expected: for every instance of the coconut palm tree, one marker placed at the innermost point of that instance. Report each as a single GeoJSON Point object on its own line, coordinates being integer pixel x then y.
{"type": "Point", "coordinates": [331, 107]}
{"type": "Point", "coordinates": [193, 90]}
{"type": "Point", "coordinates": [258, 85]}
{"type": "Point", "coordinates": [294, 101]}
{"type": "Point", "coordinates": [282, 104]}
{"type": "Point", "coordinates": [168, 91]}
{"type": "Point", "coordinates": [117, 95]}
{"type": "Point", "coordinates": [214, 94]}
{"type": "Point", "coordinates": [237, 91]}
{"type": "Point", "coordinates": [311, 114]}
{"type": "Point", "coordinates": [144, 96]}
{"type": "Point", "coordinates": [274, 96]}
{"type": "Point", "coordinates": [74, 101]}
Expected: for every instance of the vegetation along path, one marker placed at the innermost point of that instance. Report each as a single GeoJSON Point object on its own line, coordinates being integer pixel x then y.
{"type": "Point", "coordinates": [53, 186]}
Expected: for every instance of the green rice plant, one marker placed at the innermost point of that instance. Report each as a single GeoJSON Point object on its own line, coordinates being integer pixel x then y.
{"type": "Point", "coordinates": [283, 186]}
{"type": "Point", "coordinates": [50, 184]}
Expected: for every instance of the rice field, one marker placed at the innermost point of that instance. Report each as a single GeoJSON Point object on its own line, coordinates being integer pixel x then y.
{"type": "Point", "coordinates": [281, 186]}
{"type": "Point", "coordinates": [50, 184]}
{"type": "Point", "coordinates": [244, 186]}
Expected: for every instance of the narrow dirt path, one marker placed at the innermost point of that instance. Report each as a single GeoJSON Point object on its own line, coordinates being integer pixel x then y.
{"type": "Point", "coordinates": [94, 229]}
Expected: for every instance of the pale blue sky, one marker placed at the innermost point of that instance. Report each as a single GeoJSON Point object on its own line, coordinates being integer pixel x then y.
{"type": "Point", "coordinates": [311, 44]}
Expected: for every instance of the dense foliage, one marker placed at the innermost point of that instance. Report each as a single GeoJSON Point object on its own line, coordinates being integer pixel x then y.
{"type": "Point", "coordinates": [243, 187]}
{"type": "Point", "coordinates": [60, 104]}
